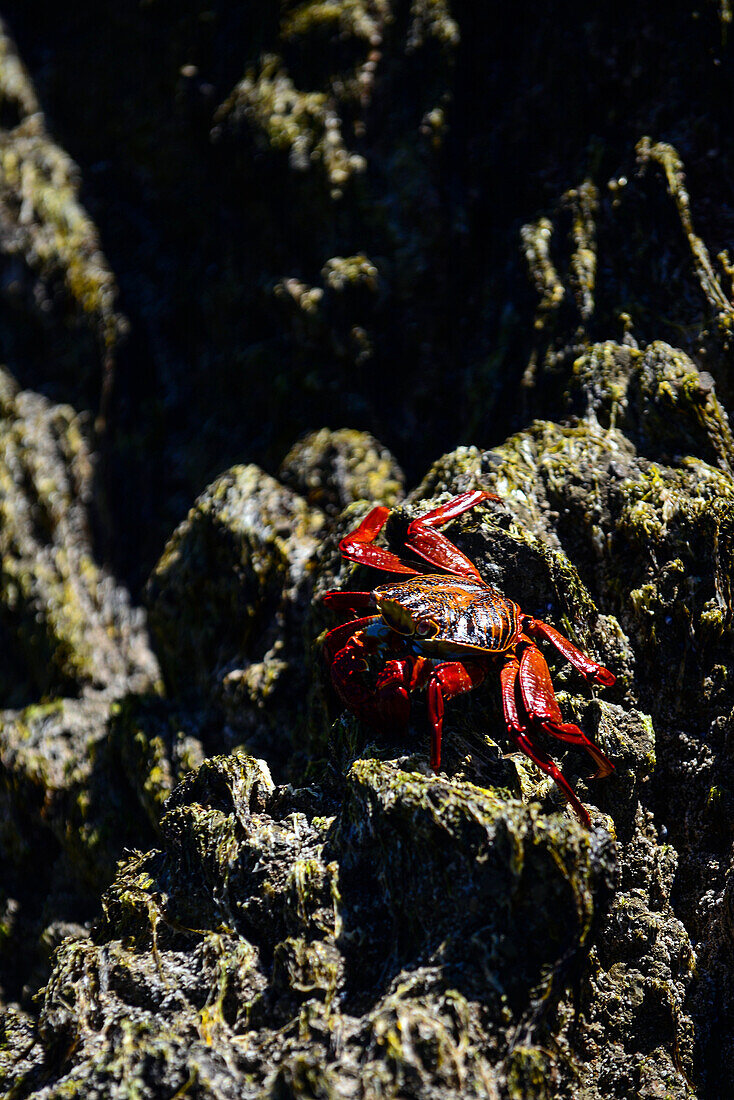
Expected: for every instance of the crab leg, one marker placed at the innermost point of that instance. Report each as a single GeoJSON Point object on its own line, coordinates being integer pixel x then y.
{"type": "Point", "coordinates": [454, 507]}
{"type": "Point", "coordinates": [359, 545]}
{"type": "Point", "coordinates": [434, 547]}
{"type": "Point", "coordinates": [508, 683]}
{"type": "Point", "coordinates": [592, 670]}
{"type": "Point", "coordinates": [444, 682]}
{"type": "Point", "coordinates": [509, 677]}
{"type": "Point", "coordinates": [348, 601]}
{"type": "Point", "coordinates": [541, 704]}
{"type": "Point", "coordinates": [547, 765]}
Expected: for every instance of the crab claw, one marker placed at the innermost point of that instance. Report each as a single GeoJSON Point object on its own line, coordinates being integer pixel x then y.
{"type": "Point", "coordinates": [422, 540]}
{"type": "Point", "coordinates": [359, 545]}
{"type": "Point", "coordinates": [391, 693]}
{"type": "Point", "coordinates": [338, 640]}
{"type": "Point", "coordinates": [434, 547]}
{"type": "Point", "coordinates": [445, 681]}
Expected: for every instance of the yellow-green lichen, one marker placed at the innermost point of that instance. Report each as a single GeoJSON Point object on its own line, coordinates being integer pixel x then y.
{"type": "Point", "coordinates": [39, 186]}
{"type": "Point", "coordinates": [305, 125]}
{"type": "Point", "coordinates": [667, 157]}
{"type": "Point", "coordinates": [583, 202]}
{"type": "Point", "coordinates": [536, 243]}
{"type": "Point", "coordinates": [529, 1074]}
{"type": "Point", "coordinates": [358, 18]}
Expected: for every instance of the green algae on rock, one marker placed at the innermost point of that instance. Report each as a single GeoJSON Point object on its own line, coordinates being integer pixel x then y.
{"type": "Point", "coordinates": [16, 86]}
{"type": "Point", "coordinates": [48, 241]}
{"type": "Point", "coordinates": [157, 743]}
{"type": "Point", "coordinates": [667, 157]}
{"type": "Point", "coordinates": [334, 469]}
{"type": "Point", "coordinates": [205, 975]}
{"type": "Point", "coordinates": [306, 125]}
{"type": "Point", "coordinates": [227, 597]}
{"type": "Point", "coordinates": [81, 780]}
{"type": "Point", "coordinates": [235, 960]}
{"type": "Point", "coordinates": [66, 818]}
{"type": "Point", "coordinates": [438, 857]}
{"type": "Point", "coordinates": [639, 496]}
{"type": "Point", "coordinates": [658, 398]}
{"type": "Point", "coordinates": [65, 625]}
{"type": "Point", "coordinates": [641, 974]}
{"type": "Point", "coordinates": [434, 924]}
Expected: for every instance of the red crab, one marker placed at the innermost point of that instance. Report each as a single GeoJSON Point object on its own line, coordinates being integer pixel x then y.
{"type": "Point", "coordinates": [442, 631]}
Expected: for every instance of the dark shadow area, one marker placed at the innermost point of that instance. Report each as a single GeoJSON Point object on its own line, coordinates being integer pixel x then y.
{"type": "Point", "coordinates": [219, 366]}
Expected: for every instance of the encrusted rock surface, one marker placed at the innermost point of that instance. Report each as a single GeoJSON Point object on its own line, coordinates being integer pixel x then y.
{"type": "Point", "coordinates": [53, 268]}
{"type": "Point", "coordinates": [66, 626]}
{"type": "Point", "coordinates": [370, 928]}
{"type": "Point", "coordinates": [332, 469]}
{"type": "Point", "coordinates": [214, 880]}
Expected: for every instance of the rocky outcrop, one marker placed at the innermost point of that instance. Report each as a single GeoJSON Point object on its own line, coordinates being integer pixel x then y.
{"type": "Point", "coordinates": [214, 879]}
{"type": "Point", "coordinates": [381, 928]}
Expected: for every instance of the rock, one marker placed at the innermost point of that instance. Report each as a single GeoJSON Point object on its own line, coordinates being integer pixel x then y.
{"type": "Point", "coordinates": [334, 469]}
{"type": "Point", "coordinates": [66, 626]}
{"type": "Point", "coordinates": [642, 973]}
{"type": "Point", "coordinates": [433, 857]}
{"type": "Point", "coordinates": [366, 903]}
{"type": "Point", "coordinates": [228, 596]}
{"type": "Point", "coordinates": [658, 398]}
{"type": "Point", "coordinates": [349, 242]}
{"type": "Point", "coordinates": [66, 820]}
{"type": "Point", "coordinates": [206, 958]}
{"type": "Point", "coordinates": [57, 288]}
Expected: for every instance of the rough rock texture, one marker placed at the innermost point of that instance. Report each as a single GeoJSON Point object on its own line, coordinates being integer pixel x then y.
{"type": "Point", "coordinates": [227, 603]}
{"type": "Point", "coordinates": [503, 240]}
{"type": "Point", "coordinates": [52, 265]}
{"type": "Point", "coordinates": [381, 929]}
{"type": "Point", "coordinates": [334, 469]}
{"type": "Point", "coordinates": [66, 626]}
{"type": "Point", "coordinates": [285, 961]}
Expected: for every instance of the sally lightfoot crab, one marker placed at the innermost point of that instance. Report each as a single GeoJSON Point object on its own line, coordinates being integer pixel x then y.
{"type": "Point", "coordinates": [442, 630]}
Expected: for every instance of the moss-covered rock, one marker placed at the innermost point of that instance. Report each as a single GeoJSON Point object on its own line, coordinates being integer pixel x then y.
{"type": "Point", "coordinates": [252, 938]}
{"type": "Point", "coordinates": [66, 626]}
{"type": "Point", "coordinates": [449, 865]}
{"type": "Point", "coordinates": [643, 970]}
{"type": "Point", "coordinates": [157, 743]}
{"type": "Point", "coordinates": [303, 124]}
{"type": "Point", "coordinates": [349, 241]}
{"type": "Point", "coordinates": [334, 469]}
{"type": "Point", "coordinates": [659, 398]}
{"type": "Point", "coordinates": [57, 287]}
{"type": "Point", "coordinates": [67, 815]}
{"type": "Point", "coordinates": [227, 598]}
{"type": "Point", "coordinates": [435, 923]}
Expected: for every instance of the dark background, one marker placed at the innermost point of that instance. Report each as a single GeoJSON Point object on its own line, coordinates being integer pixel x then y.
{"type": "Point", "coordinates": [201, 216]}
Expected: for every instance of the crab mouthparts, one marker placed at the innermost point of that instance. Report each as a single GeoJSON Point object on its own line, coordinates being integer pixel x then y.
{"type": "Point", "coordinates": [397, 618]}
